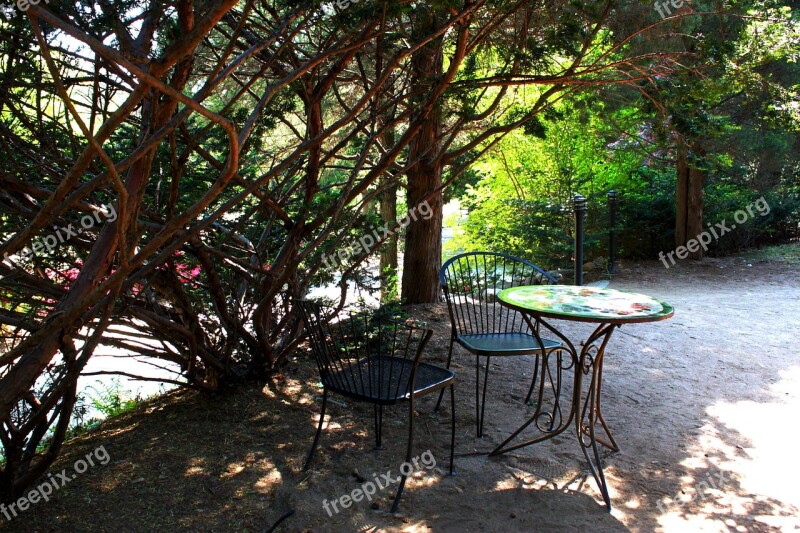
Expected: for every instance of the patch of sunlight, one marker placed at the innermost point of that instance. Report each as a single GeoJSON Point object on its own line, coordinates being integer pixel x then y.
{"type": "Point", "coordinates": [426, 480]}
{"type": "Point", "coordinates": [305, 398]}
{"type": "Point", "coordinates": [233, 470]}
{"type": "Point", "coordinates": [288, 387]}
{"type": "Point", "coordinates": [420, 526]}
{"type": "Point", "coordinates": [265, 483]}
{"type": "Point", "coordinates": [677, 521]}
{"type": "Point", "coordinates": [770, 467]}
{"type": "Point", "coordinates": [328, 424]}
{"type": "Point", "coordinates": [757, 441]}
{"type": "Point", "coordinates": [633, 503]}
{"type": "Point", "coordinates": [196, 468]}
{"type": "Point", "coordinates": [509, 483]}
{"type": "Point", "coordinates": [268, 392]}
{"type": "Point", "coordinates": [292, 385]}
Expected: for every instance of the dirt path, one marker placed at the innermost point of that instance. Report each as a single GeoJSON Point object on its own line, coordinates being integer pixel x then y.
{"type": "Point", "coordinates": [704, 406]}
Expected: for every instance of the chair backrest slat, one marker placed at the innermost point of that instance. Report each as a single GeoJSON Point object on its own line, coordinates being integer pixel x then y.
{"type": "Point", "coordinates": [471, 281]}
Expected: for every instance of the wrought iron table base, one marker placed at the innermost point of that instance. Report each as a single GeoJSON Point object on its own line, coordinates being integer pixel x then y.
{"type": "Point", "coordinates": [587, 415]}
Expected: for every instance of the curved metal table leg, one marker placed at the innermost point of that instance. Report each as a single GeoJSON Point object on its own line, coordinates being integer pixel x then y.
{"type": "Point", "coordinates": [591, 364]}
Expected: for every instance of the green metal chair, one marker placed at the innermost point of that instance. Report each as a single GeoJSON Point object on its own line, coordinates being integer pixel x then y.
{"type": "Point", "coordinates": [480, 323]}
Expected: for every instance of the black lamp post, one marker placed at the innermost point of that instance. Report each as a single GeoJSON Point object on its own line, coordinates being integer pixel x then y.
{"type": "Point", "coordinates": [580, 211]}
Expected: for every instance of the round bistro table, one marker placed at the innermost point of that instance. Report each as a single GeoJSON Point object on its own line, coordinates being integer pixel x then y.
{"type": "Point", "coordinates": [609, 309]}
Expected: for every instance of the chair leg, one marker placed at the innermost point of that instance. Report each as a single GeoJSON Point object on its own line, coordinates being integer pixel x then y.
{"type": "Point", "coordinates": [378, 426]}
{"type": "Point", "coordinates": [482, 399]}
{"type": "Point", "coordinates": [452, 427]}
{"type": "Point", "coordinates": [319, 429]}
{"type": "Point", "coordinates": [478, 424]}
{"type": "Point", "coordinates": [535, 375]}
{"type": "Point", "coordinates": [408, 454]}
{"type": "Point", "coordinates": [449, 358]}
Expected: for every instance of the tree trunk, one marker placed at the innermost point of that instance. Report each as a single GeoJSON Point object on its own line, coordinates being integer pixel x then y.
{"type": "Point", "coordinates": [423, 253]}
{"type": "Point", "coordinates": [689, 201]}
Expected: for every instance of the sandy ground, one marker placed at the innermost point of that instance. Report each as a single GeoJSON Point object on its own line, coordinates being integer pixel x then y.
{"type": "Point", "coordinates": [704, 407]}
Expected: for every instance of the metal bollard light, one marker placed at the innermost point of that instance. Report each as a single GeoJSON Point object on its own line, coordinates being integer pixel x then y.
{"type": "Point", "coordinates": [580, 211]}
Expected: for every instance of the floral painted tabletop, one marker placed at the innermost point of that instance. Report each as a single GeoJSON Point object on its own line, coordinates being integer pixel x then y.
{"type": "Point", "coordinates": [591, 304]}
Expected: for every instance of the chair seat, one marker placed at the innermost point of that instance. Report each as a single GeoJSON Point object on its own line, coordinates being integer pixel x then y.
{"type": "Point", "coordinates": [384, 380]}
{"type": "Point", "coordinates": [505, 344]}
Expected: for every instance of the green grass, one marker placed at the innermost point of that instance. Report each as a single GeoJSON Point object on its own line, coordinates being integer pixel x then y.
{"type": "Point", "coordinates": [789, 253]}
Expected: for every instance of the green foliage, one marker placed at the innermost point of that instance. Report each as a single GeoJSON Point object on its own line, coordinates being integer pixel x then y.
{"type": "Point", "coordinates": [111, 399]}
{"type": "Point", "coordinates": [738, 116]}
{"type": "Point", "coordinates": [391, 291]}
{"type": "Point", "coordinates": [522, 203]}
{"type": "Point", "coordinates": [646, 214]}
{"type": "Point", "coordinates": [774, 224]}
{"type": "Point", "coordinates": [789, 253]}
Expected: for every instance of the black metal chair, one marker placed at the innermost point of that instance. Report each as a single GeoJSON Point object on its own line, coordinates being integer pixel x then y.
{"type": "Point", "coordinates": [377, 361]}
{"type": "Point", "coordinates": [480, 323]}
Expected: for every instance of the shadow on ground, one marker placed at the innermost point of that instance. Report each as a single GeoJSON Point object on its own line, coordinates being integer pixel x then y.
{"type": "Point", "coordinates": [702, 406]}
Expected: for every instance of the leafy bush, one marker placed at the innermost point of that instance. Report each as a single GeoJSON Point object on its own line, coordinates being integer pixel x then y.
{"type": "Point", "coordinates": [111, 399]}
